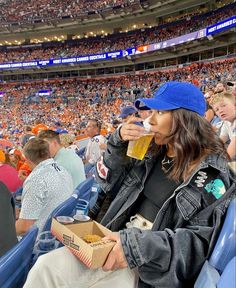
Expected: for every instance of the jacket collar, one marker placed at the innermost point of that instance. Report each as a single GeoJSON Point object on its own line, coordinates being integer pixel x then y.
{"type": "Point", "coordinates": [216, 162]}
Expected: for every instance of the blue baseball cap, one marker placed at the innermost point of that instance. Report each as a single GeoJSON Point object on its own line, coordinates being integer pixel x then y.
{"type": "Point", "coordinates": [126, 111]}
{"type": "Point", "coordinates": [174, 95]}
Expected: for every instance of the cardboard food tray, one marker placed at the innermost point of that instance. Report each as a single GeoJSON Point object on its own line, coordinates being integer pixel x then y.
{"type": "Point", "coordinates": [93, 255]}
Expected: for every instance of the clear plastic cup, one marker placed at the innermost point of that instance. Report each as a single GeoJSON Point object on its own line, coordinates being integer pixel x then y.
{"type": "Point", "coordinates": [46, 241]}
{"type": "Point", "coordinates": [138, 148]}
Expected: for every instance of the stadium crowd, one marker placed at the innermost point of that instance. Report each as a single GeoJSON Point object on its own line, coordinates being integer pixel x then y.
{"type": "Point", "coordinates": [71, 101]}
{"type": "Point", "coordinates": [18, 11]}
{"type": "Point", "coordinates": [116, 41]}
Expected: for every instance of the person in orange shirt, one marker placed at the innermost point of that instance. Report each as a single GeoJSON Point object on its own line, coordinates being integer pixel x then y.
{"type": "Point", "coordinates": [16, 158]}
{"type": "Point", "coordinates": [39, 127]}
{"type": "Point", "coordinates": [24, 171]}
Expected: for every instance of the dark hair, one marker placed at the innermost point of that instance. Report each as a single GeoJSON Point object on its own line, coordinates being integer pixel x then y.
{"type": "Point", "coordinates": [36, 150]}
{"type": "Point", "coordinates": [193, 138]}
{"type": "Point", "coordinates": [49, 135]}
{"type": "Point", "coordinates": [28, 128]}
{"type": "Point", "coordinates": [96, 122]}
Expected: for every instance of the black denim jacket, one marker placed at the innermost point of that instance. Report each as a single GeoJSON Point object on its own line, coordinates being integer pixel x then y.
{"type": "Point", "coordinates": [184, 231]}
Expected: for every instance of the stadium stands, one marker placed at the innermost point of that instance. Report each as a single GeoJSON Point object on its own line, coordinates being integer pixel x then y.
{"type": "Point", "coordinates": [115, 41]}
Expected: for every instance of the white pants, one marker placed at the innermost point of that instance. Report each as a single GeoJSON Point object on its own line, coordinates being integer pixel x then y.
{"type": "Point", "coordinates": [61, 269]}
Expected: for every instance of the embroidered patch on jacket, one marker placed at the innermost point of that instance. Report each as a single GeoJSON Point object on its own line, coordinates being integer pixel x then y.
{"type": "Point", "coordinates": [216, 187]}
{"type": "Point", "coordinates": [102, 170]}
{"type": "Point", "coordinates": [209, 184]}
{"type": "Point", "coordinates": [201, 178]}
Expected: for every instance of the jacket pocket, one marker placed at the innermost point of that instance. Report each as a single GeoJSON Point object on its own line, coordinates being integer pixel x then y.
{"type": "Point", "coordinates": [188, 202]}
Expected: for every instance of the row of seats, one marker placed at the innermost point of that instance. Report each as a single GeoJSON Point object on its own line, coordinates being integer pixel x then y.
{"type": "Point", "coordinates": [15, 265]}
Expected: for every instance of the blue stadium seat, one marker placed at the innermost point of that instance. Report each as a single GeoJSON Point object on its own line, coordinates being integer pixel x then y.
{"type": "Point", "coordinates": [84, 189]}
{"type": "Point", "coordinates": [64, 209]}
{"type": "Point", "coordinates": [208, 277]}
{"type": "Point", "coordinates": [88, 169]}
{"type": "Point", "coordinates": [224, 251]}
{"type": "Point", "coordinates": [225, 248]}
{"type": "Point", "coordinates": [228, 277]}
{"type": "Point", "coordinates": [81, 152]}
{"type": "Point", "coordinates": [15, 265]}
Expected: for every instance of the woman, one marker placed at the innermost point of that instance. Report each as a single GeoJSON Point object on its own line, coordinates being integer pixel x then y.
{"type": "Point", "coordinates": [8, 174]}
{"type": "Point", "coordinates": [168, 207]}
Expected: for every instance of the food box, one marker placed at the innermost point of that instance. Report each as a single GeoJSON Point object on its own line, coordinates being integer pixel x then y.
{"type": "Point", "coordinates": [93, 255]}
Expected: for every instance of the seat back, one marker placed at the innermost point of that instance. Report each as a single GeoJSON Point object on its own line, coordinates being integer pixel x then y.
{"type": "Point", "coordinates": [84, 189]}
{"type": "Point", "coordinates": [228, 277]}
{"type": "Point", "coordinates": [64, 209]}
{"type": "Point", "coordinates": [81, 152]}
{"type": "Point", "coordinates": [14, 266]}
{"type": "Point", "coordinates": [225, 248]}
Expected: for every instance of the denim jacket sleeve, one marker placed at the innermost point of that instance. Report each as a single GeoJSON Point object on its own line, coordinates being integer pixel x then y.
{"type": "Point", "coordinates": [164, 257]}
{"type": "Point", "coordinates": [116, 163]}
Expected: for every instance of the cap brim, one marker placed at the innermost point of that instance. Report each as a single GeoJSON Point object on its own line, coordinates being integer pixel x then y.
{"type": "Point", "coordinates": [156, 104]}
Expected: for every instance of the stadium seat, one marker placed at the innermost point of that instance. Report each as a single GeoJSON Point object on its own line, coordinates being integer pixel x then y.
{"type": "Point", "coordinates": [224, 251]}
{"type": "Point", "coordinates": [84, 189]}
{"type": "Point", "coordinates": [228, 277]}
{"type": "Point", "coordinates": [225, 248]}
{"type": "Point", "coordinates": [81, 152]}
{"type": "Point", "coordinates": [208, 277]}
{"type": "Point", "coordinates": [88, 168]}
{"type": "Point", "coordinates": [14, 266]}
{"type": "Point", "coordinates": [64, 209]}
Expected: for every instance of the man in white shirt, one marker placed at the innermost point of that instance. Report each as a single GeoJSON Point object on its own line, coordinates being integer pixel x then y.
{"type": "Point", "coordinates": [45, 188]}
{"type": "Point", "coordinates": [95, 146]}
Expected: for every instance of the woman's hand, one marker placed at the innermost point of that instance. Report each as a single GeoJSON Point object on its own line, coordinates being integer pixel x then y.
{"type": "Point", "coordinates": [131, 131]}
{"type": "Point", "coordinates": [116, 258]}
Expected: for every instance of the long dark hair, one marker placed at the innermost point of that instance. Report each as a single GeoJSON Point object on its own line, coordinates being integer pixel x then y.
{"type": "Point", "coordinates": [193, 138]}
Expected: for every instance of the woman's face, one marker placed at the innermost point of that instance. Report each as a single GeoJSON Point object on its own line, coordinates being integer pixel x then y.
{"type": "Point", "coordinates": [161, 125]}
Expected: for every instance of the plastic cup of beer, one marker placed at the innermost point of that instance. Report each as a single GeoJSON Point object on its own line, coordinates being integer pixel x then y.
{"type": "Point", "coordinates": [138, 148]}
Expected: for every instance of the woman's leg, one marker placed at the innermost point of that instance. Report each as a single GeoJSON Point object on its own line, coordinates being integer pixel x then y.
{"type": "Point", "coordinates": [60, 268]}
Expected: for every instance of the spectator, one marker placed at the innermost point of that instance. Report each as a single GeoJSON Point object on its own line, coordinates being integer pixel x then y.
{"type": "Point", "coordinates": [220, 87]}
{"type": "Point", "coordinates": [45, 188]}
{"type": "Point", "coordinates": [127, 113]}
{"type": "Point", "coordinates": [172, 202]}
{"type": "Point", "coordinates": [28, 134]}
{"type": "Point", "coordinates": [93, 151]}
{"type": "Point", "coordinates": [9, 175]}
{"type": "Point", "coordinates": [144, 114]}
{"type": "Point", "coordinates": [7, 220]}
{"type": "Point", "coordinates": [16, 158]}
{"type": "Point", "coordinates": [64, 157]}
{"type": "Point", "coordinates": [224, 105]}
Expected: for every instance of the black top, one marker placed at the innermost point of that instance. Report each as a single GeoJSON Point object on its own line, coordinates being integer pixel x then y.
{"type": "Point", "coordinates": [7, 220]}
{"type": "Point", "coordinates": [157, 189]}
